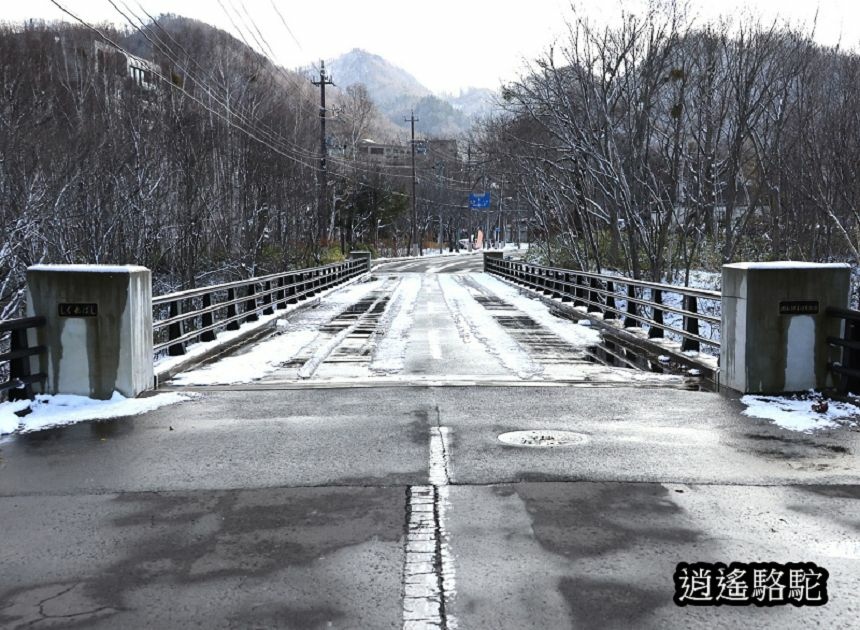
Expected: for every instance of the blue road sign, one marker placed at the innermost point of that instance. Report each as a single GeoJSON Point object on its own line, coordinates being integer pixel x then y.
{"type": "Point", "coordinates": [476, 202]}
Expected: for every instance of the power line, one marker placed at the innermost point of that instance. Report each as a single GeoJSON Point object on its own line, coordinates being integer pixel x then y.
{"type": "Point", "coordinates": [158, 44]}
{"type": "Point", "coordinates": [288, 29]}
{"type": "Point", "coordinates": [250, 132]}
{"type": "Point", "coordinates": [247, 126]}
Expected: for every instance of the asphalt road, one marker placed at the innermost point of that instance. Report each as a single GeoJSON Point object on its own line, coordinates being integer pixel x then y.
{"type": "Point", "coordinates": [277, 505]}
{"type": "Point", "coordinates": [464, 263]}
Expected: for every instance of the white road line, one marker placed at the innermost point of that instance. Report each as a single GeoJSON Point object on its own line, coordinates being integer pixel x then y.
{"type": "Point", "coordinates": [439, 457]}
{"type": "Point", "coordinates": [422, 593]}
{"type": "Point", "coordinates": [428, 572]}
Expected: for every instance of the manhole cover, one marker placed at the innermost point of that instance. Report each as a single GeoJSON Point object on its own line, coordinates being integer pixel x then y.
{"type": "Point", "coordinates": [543, 437]}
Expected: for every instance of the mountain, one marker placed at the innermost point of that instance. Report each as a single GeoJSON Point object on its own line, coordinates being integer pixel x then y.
{"type": "Point", "coordinates": [395, 92]}
{"type": "Point", "coordinates": [473, 102]}
{"type": "Point", "coordinates": [387, 84]}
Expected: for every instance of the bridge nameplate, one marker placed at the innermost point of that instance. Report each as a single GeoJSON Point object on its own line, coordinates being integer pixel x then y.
{"type": "Point", "coordinates": [77, 309]}
{"type": "Point", "coordinates": [798, 307]}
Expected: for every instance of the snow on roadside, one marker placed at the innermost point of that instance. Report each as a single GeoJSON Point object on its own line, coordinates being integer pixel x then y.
{"type": "Point", "coordinates": [577, 335]}
{"type": "Point", "coordinates": [797, 415]}
{"type": "Point", "coordinates": [333, 295]}
{"type": "Point", "coordinates": [390, 352]}
{"type": "Point", "coordinates": [64, 409]}
{"type": "Point", "coordinates": [325, 350]}
{"type": "Point", "coordinates": [260, 360]}
{"type": "Point", "coordinates": [484, 327]}
{"type": "Point", "coordinates": [267, 356]}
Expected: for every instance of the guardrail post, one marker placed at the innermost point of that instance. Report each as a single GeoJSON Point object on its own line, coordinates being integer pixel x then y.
{"type": "Point", "coordinates": [207, 319]}
{"type": "Point", "coordinates": [280, 298]}
{"type": "Point", "coordinates": [251, 303]}
{"type": "Point", "coordinates": [19, 368]}
{"type": "Point", "coordinates": [594, 297]}
{"type": "Point", "coordinates": [232, 312]}
{"type": "Point", "coordinates": [610, 301]}
{"type": "Point", "coordinates": [630, 320]}
{"type": "Point", "coordinates": [655, 330]}
{"type": "Point", "coordinates": [292, 289]}
{"type": "Point", "coordinates": [851, 357]}
{"type": "Point", "coordinates": [174, 331]}
{"type": "Point", "coordinates": [546, 281]}
{"type": "Point", "coordinates": [579, 292]}
{"type": "Point", "coordinates": [309, 283]}
{"type": "Point", "coordinates": [566, 292]}
{"type": "Point", "coordinates": [691, 325]}
{"type": "Point", "coordinates": [557, 288]}
{"type": "Point", "coordinates": [269, 309]}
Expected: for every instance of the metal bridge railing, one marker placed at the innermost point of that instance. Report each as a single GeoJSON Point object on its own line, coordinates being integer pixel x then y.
{"type": "Point", "coordinates": [644, 302]}
{"type": "Point", "coordinates": [19, 379]}
{"type": "Point", "coordinates": [848, 366]}
{"type": "Point", "coordinates": [199, 314]}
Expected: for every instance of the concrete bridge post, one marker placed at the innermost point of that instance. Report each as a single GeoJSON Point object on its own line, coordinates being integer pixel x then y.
{"type": "Point", "coordinates": [492, 256]}
{"type": "Point", "coordinates": [98, 330]}
{"type": "Point", "coordinates": [775, 327]}
{"type": "Point", "coordinates": [359, 255]}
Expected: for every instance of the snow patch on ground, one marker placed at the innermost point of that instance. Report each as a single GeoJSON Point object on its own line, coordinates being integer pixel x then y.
{"type": "Point", "coordinates": [64, 409]}
{"type": "Point", "coordinates": [334, 296]}
{"type": "Point", "coordinates": [797, 415]}
{"type": "Point", "coordinates": [484, 327]}
{"type": "Point", "coordinates": [267, 356]}
{"type": "Point", "coordinates": [395, 325]}
{"type": "Point", "coordinates": [323, 352]}
{"type": "Point", "coordinates": [577, 335]}
{"type": "Point", "coordinates": [259, 361]}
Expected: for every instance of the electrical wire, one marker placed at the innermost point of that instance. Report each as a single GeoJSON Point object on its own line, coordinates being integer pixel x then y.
{"type": "Point", "coordinates": [248, 129]}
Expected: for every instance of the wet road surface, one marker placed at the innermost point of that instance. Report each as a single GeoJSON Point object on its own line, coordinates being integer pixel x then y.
{"type": "Point", "coordinates": [373, 492]}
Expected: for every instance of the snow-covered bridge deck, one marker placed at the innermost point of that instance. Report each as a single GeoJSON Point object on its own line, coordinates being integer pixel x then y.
{"type": "Point", "coordinates": [437, 320]}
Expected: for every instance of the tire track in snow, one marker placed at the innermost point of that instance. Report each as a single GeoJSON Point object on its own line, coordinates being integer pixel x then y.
{"type": "Point", "coordinates": [390, 352]}
{"type": "Point", "coordinates": [473, 320]}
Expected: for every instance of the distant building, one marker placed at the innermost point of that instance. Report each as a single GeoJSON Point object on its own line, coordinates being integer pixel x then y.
{"type": "Point", "coordinates": [425, 151]}
{"type": "Point", "coordinates": [110, 59]}
{"type": "Point", "coordinates": [380, 152]}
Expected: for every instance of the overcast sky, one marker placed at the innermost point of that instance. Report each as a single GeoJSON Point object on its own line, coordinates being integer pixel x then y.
{"type": "Point", "coordinates": [446, 44]}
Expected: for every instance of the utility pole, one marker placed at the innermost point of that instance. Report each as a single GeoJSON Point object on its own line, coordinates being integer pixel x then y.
{"type": "Point", "coordinates": [417, 246]}
{"type": "Point", "coordinates": [469, 181]}
{"type": "Point", "coordinates": [322, 195]}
